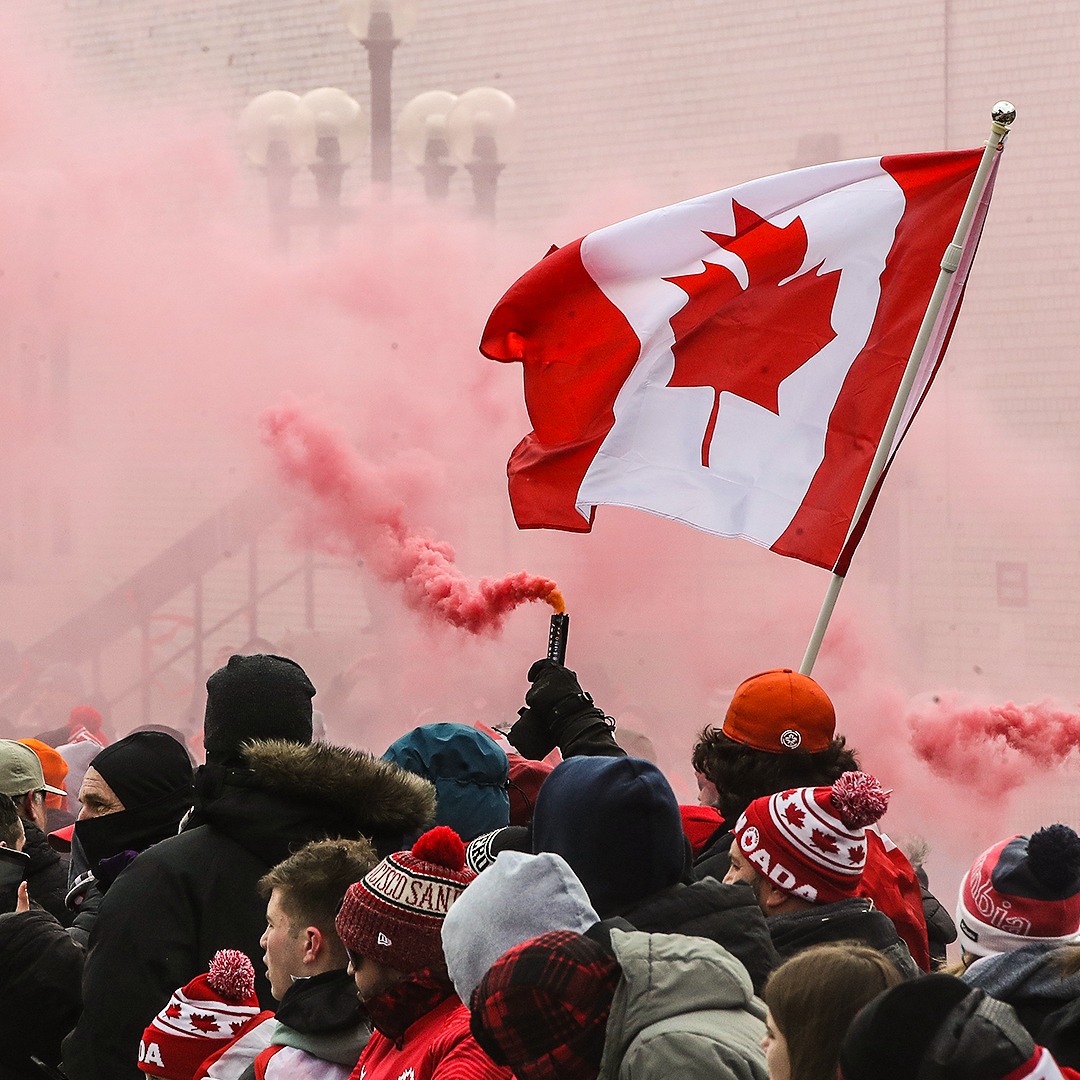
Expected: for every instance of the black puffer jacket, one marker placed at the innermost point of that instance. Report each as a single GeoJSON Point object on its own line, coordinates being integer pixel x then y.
{"type": "Point", "coordinates": [183, 899]}
{"type": "Point", "coordinates": [39, 991]}
{"type": "Point", "coordinates": [46, 880]}
{"type": "Point", "coordinates": [846, 920]}
{"type": "Point", "coordinates": [726, 914]}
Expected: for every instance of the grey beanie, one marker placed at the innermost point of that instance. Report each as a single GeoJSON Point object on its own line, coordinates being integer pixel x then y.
{"type": "Point", "coordinates": [516, 899]}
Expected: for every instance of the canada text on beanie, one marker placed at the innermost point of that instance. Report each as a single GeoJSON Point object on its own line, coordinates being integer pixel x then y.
{"type": "Point", "coordinates": [781, 711]}
{"type": "Point", "coordinates": [256, 697]}
{"type": "Point", "coordinates": [1021, 892]}
{"type": "Point", "coordinates": [811, 842]}
{"type": "Point", "coordinates": [212, 1008]}
{"type": "Point", "coordinates": [394, 915]}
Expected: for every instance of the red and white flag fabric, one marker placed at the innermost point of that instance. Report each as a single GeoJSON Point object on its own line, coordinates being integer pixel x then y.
{"type": "Point", "coordinates": [730, 362]}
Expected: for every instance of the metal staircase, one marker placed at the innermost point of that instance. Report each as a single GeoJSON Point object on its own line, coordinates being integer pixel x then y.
{"type": "Point", "coordinates": [138, 602]}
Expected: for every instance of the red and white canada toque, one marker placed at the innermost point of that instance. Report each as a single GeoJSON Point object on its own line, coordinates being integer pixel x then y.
{"type": "Point", "coordinates": [211, 1009]}
{"type": "Point", "coordinates": [730, 362]}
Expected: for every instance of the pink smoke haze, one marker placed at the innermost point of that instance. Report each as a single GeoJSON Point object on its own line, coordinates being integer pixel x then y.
{"type": "Point", "coordinates": [356, 514]}
{"type": "Point", "coordinates": [992, 749]}
{"type": "Point", "coordinates": [134, 246]}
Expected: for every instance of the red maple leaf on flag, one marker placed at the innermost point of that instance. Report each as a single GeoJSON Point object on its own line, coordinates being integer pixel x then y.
{"type": "Point", "coordinates": [794, 816]}
{"type": "Point", "coordinates": [747, 341]}
{"type": "Point", "coordinates": [203, 1022]}
{"type": "Point", "coordinates": [823, 841]}
{"type": "Point", "coordinates": [174, 1012]}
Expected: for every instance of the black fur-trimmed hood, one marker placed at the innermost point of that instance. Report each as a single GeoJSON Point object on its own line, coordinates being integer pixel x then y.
{"type": "Point", "coordinates": [383, 796]}
{"type": "Point", "coordinates": [291, 793]}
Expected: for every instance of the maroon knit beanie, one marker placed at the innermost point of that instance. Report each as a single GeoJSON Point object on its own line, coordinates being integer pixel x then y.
{"type": "Point", "coordinates": [395, 914]}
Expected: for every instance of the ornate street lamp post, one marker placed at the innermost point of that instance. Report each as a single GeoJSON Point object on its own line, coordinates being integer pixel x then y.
{"type": "Point", "coordinates": [281, 131]}
{"type": "Point", "coordinates": [380, 26]}
{"type": "Point", "coordinates": [421, 130]}
{"type": "Point", "coordinates": [482, 130]}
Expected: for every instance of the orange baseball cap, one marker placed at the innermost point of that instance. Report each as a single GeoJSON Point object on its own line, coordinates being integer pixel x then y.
{"type": "Point", "coordinates": [780, 711]}
{"type": "Point", "coordinates": [53, 767]}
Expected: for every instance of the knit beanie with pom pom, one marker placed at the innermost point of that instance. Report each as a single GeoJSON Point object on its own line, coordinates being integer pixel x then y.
{"type": "Point", "coordinates": [1022, 892]}
{"type": "Point", "coordinates": [394, 914]}
{"type": "Point", "coordinates": [212, 1009]}
{"type": "Point", "coordinates": [811, 842]}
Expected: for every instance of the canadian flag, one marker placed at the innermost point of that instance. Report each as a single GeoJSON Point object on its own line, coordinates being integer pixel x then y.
{"type": "Point", "coordinates": [730, 362]}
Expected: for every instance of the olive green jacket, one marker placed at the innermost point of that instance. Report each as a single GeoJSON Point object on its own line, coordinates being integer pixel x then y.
{"type": "Point", "coordinates": [685, 1009]}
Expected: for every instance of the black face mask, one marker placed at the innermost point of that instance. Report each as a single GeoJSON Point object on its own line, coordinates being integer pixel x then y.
{"type": "Point", "coordinates": [13, 867]}
{"type": "Point", "coordinates": [131, 830]}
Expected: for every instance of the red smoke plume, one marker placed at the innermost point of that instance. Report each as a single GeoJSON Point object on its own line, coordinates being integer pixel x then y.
{"type": "Point", "coordinates": [358, 515]}
{"type": "Point", "coordinates": [992, 748]}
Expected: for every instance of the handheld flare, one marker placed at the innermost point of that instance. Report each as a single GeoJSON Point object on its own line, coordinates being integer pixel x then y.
{"type": "Point", "coordinates": [560, 627]}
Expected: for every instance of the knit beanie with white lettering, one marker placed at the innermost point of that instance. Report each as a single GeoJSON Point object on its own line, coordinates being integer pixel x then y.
{"type": "Point", "coordinates": [811, 842]}
{"type": "Point", "coordinates": [1022, 891]}
{"type": "Point", "coordinates": [395, 914]}
{"type": "Point", "coordinates": [200, 1017]}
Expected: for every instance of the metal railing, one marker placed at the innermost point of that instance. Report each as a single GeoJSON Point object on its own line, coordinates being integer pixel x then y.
{"type": "Point", "coordinates": [136, 603]}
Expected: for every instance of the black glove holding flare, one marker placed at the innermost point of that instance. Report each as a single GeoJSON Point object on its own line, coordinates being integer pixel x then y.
{"type": "Point", "coordinates": [559, 713]}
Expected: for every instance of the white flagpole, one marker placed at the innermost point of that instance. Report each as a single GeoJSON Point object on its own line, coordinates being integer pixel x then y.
{"type": "Point", "coordinates": [1003, 115]}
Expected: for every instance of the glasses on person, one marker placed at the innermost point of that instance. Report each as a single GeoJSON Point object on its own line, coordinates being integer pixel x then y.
{"type": "Point", "coordinates": [354, 958]}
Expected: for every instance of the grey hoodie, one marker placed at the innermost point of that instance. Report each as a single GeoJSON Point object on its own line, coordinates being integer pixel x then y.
{"type": "Point", "coordinates": [684, 1008]}
{"type": "Point", "coordinates": [517, 898]}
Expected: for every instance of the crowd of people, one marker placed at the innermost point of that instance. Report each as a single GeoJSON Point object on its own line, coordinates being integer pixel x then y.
{"type": "Point", "coordinates": [478, 904]}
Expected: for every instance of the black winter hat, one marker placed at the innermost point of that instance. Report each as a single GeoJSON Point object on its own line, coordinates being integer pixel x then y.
{"type": "Point", "coordinates": [143, 767]}
{"type": "Point", "coordinates": [934, 1028]}
{"type": "Point", "coordinates": [255, 697]}
{"type": "Point", "coordinates": [616, 821]}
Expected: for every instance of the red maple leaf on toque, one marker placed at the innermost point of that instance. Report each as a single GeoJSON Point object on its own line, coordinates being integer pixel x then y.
{"type": "Point", "coordinates": [823, 841]}
{"type": "Point", "coordinates": [794, 816]}
{"type": "Point", "coordinates": [174, 1011]}
{"type": "Point", "coordinates": [747, 341]}
{"type": "Point", "coordinates": [856, 854]}
{"type": "Point", "coordinates": [203, 1022]}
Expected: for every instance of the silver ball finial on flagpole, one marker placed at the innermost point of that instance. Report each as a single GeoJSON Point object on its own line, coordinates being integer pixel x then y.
{"type": "Point", "coordinates": [1003, 112]}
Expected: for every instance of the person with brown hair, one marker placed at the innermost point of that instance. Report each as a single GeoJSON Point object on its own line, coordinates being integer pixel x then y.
{"type": "Point", "coordinates": [779, 732]}
{"type": "Point", "coordinates": [812, 998]}
{"type": "Point", "coordinates": [803, 852]}
{"type": "Point", "coordinates": [319, 1028]}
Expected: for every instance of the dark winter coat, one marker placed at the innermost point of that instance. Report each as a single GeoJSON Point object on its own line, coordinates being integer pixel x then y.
{"type": "Point", "coordinates": [846, 920]}
{"type": "Point", "coordinates": [726, 914]}
{"type": "Point", "coordinates": [102, 847]}
{"type": "Point", "coordinates": [183, 899]}
{"type": "Point", "coordinates": [1047, 1002]}
{"type": "Point", "coordinates": [39, 991]}
{"type": "Point", "coordinates": [889, 881]}
{"type": "Point", "coordinates": [46, 880]}
{"type": "Point", "coordinates": [940, 928]}
{"type": "Point", "coordinates": [13, 867]}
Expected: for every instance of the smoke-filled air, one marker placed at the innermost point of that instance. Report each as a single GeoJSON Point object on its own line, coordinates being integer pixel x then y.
{"type": "Point", "coordinates": [227, 431]}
